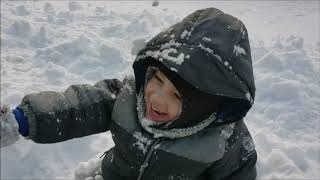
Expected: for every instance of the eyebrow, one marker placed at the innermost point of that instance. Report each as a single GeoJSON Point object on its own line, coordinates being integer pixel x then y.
{"type": "Point", "coordinates": [158, 78]}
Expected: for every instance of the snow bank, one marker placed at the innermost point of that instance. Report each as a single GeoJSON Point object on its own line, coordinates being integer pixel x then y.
{"type": "Point", "coordinates": [51, 45]}
{"type": "Point", "coordinates": [20, 28]}
{"type": "Point", "coordinates": [285, 117]}
{"type": "Point", "coordinates": [21, 11]}
{"type": "Point", "coordinates": [88, 170]}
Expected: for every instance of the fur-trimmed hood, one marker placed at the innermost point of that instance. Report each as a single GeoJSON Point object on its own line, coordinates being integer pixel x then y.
{"type": "Point", "coordinates": [210, 50]}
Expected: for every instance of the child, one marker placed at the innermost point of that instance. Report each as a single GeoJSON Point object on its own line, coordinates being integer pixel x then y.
{"type": "Point", "coordinates": [181, 117]}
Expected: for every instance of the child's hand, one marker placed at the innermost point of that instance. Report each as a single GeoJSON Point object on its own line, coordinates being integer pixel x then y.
{"type": "Point", "coordinates": [8, 127]}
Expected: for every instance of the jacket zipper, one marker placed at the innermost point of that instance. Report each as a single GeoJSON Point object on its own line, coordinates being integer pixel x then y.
{"type": "Point", "coordinates": [146, 160]}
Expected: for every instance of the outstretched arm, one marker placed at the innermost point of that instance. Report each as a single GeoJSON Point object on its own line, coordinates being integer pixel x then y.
{"type": "Point", "coordinates": [79, 111]}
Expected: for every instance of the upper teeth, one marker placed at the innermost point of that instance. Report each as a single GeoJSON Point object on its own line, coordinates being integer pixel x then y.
{"type": "Point", "coordinates": [156, 111]}
{"type": "Point", "coordinates": [155, 108]}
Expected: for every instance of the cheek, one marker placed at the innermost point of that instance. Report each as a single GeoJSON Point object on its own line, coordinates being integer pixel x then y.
{"type": "Point", "coordinates": [151, 86]}
{"type": "Point", "coordinates": [175, 108]}
{"type": "Point", "coordinates": [147, 90]}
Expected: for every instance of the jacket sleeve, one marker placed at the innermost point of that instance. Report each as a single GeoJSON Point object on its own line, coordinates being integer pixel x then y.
{"type": "Point", "coordinates": [239, 160]}
{"type": "Point", "coordinates": [79, 111]}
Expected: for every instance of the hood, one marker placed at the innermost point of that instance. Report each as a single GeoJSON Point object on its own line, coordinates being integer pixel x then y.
{"type": "Point", "coordinates": [210, 50]}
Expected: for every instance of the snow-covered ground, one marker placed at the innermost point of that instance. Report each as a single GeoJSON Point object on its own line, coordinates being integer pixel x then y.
{"type": "Point", "coordinates": [51, 45]}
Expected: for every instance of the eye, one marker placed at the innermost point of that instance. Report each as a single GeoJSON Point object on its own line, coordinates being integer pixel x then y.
{"type": "Point", "coordinates": [177, 95]}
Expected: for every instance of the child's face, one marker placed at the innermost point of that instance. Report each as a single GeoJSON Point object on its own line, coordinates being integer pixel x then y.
{"type": "Point", "coordinates": [163, 101]}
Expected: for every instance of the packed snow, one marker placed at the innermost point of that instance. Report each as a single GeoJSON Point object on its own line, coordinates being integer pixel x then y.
{"type": "Point", "coordinates": [49, 45]}
{"type": "Point", "coordinates": [137, 45]}
{"type": "Point", "coordinates": [8, 126]}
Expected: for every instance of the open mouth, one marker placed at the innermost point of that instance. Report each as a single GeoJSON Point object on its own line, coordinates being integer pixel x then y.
{"type": "Point", "coordinates": [155, 114]}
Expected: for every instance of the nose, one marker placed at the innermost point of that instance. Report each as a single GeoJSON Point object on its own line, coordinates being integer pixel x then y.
{"type": "Point", "coordinates": [158, 100]}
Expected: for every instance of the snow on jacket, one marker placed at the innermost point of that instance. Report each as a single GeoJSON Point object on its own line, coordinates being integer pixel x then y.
{"type": "Point", "coordinates": [210, 50]}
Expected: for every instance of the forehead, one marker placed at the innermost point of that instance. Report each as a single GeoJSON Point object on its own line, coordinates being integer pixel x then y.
{"type": "Point", "coordinates": [161, 74]}
{"type": "Point", "coordinates": [165, 79]}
